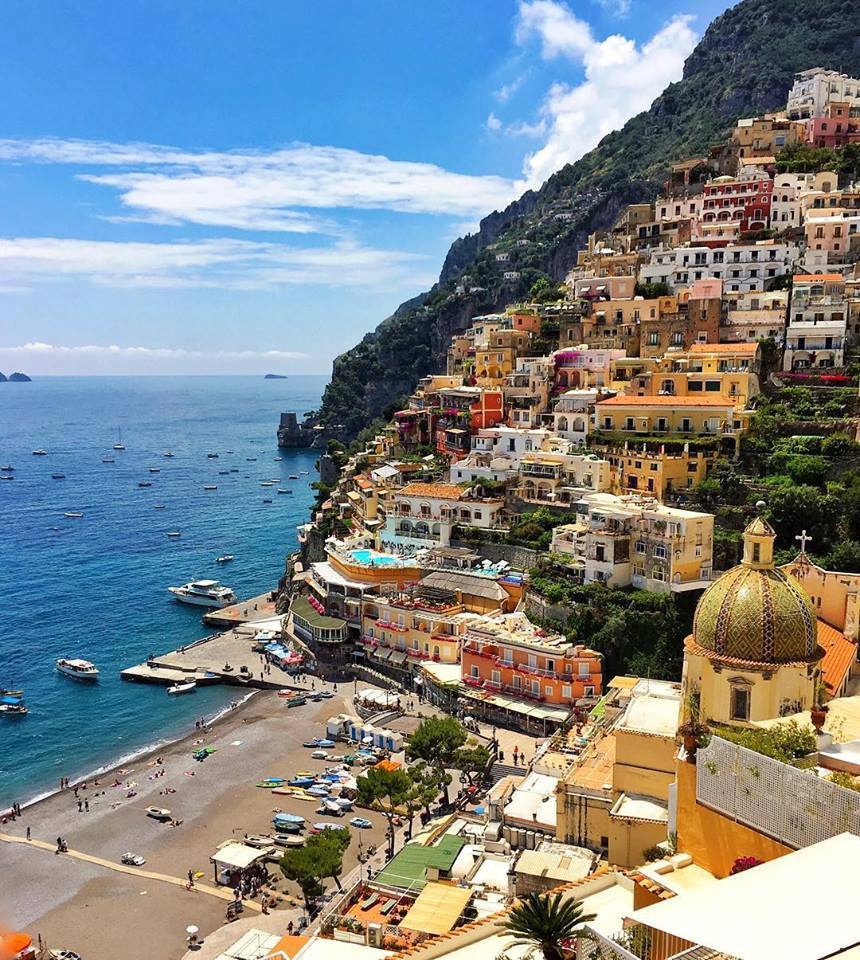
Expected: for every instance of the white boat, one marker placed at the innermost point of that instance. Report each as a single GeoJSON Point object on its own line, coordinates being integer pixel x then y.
{"type": "Point", "coordinates": [145, 483]}
{"type": "Point", "coordinates": [158, 506]}
{"type": "Point", "coordinates": [40, 453]}
{"type": "Point", "coordinates": [174, 534]}
{"type": "Point", "coordinates": [267, 483]}
{"type": "Point", "coordinates": [167, 453]}
{"type": "Point", "coordinates": [209, 486]}
{"type": "Point", "coordinates": [73, 514]}
{"type": "Point", "coordinates": [155, 469]}
{"type": "Point", "coordinates": [79, 669]}
{"type": "Point", "coordinates": [8, 468]}
{"type": "Point", "coordinates": [119, 445]}
{"type": "Point", "coordinates": [204, 593]}
{"type": "Point", "coordinates": [184, 686]}
{"type": "Point", "coordinates": [108, 460]}
{"type": "Point", "coordinates": [226, 558]}
{"type": "Point", "coordinates": [13, 709]}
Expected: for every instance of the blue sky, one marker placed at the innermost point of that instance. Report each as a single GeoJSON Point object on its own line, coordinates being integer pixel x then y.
{"type": "Point", "coordinates": [244, 187]}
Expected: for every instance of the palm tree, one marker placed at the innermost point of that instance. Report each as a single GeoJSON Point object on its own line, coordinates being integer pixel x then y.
{"type": "Point", "coordinates": [548, 922]}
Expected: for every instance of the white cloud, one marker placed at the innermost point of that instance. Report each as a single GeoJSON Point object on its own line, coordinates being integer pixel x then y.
{"type": "Point", "coordinates": [270, 191]}
{"type": "Point", "coordinates": [507, 90]}
{"type": "Point", "coordinates": [621, 8]}
{"type": "Point", "coordinates": [37, 348]}
{"type": "Point", "coordinates": [620, 80]}
{"type": "Point", "coordinates": [223, 262]}
{"type": "Point", "coordinates": [492, 123]}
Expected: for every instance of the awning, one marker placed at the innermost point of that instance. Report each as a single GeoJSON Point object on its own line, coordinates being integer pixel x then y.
{"type": "Point", "coordinates": [397, 656]}
{"type": "Point", "coordinates": [237, 856]}
{"type": "Point", "coordinates": [437, 908]}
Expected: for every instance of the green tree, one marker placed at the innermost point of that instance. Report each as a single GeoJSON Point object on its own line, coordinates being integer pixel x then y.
{"type": "Point", "coordinates": [796, 508]}
{"type": "Point", "coordinates": [845, 557]}
{"type": "Point", "coordinates": [473, 759]}
{"type": "Point", "coordinates": [319, 858]}
{"type": "Point", "coordinates": [549, 922]}
{"type": "Point", "coordinates": [426, 784]}
{"type": "Point", "coordinates": [436, 741]}
{"type": "Point", "coordinates": [387, 791]}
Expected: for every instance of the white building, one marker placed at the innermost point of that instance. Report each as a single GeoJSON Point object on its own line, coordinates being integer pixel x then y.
{"type": "Point", "coordinates": [755, 315]}
{"type": "Point", "coordinates": [424, 514]}
{"type": "Point", "coordinates": [818, 323]}
{"type": "Point", "coordinates": [741, 267]}
{"type": "Point", "coordinates": [562, 478]}
{"type": "Point", "coordinates": [573, 414]}
{"type": "Point", "coordinates": [639, 542]}
{"type": "Point", "coordinates": [814, 89]}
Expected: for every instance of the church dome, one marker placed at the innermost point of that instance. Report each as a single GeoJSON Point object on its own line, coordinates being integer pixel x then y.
{"type": "Point", "coordinates": [755, 612]}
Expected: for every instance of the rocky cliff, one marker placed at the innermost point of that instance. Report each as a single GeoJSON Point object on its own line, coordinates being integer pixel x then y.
{"type": "Point", "coordinates": [743, 65]}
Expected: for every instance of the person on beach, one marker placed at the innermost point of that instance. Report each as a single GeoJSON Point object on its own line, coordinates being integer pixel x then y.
{"type": "Point", "coordinates": [190, 878]}
{"type": "Point", "coordinates": [87, 805]}
{"type": "Point", "coordinates": [28, 833]}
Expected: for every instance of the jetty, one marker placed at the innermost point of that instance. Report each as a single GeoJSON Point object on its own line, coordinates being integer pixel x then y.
{"type": "Point", "coordinates": [220, 657]}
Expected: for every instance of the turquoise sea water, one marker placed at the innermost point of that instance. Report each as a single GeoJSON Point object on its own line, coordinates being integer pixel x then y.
{"type": "Point", "coordinates": [96, 587]}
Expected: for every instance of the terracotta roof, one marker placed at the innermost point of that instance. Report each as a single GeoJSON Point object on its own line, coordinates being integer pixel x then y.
{"type": "Point", "coordinates": [662, 401]}
{"type": "Point", "coordinates": [840, 654]}
{"type": "Point", "coordinates": [363, 483]}
{"type": "Point", "coordinates": [816, 277]}
{"type": "Point", "coordinates": [441, 491]}
{"type": "Point", "coordinates": [724, 348]}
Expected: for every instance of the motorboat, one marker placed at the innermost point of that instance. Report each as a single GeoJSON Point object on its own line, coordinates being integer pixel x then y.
{"type": "Point", "coordinates": [251, 459]}
{"type": "Point", "coordinates": [303, 472]}
{"type": "Point", "coordinates": [158, 506]}
{"type": "Point", "coordinates": [319, 755]}
{"type": "Point", "coordinates": [267, 500]}
{"type": "Point", "coordinates": [226, 558]}
{"type": "Point", "coordinates": [210, 486]}
{"type": "Point", "coordinates": [290, 841]}
{"type": "Point", "coordinates": [282, 490]}
{"type": "Point", "coordinates": [73, 514]}
{"type": "Point", "coordinates": [159, 813]}
{"type": "Point", "coordinates": [345, 803]}
{"type": "Point", "coordinates": [184, 686]}
{"type": "Point", "coordinates": [267, 483]}
{"type": "Point", "coordinates": [293, 476]}
{"type": "Point", "coordinates": [108, 460]}
{"type": "Point", "coordinates": [211, 456]}
{"type": "Point", "coordinates": [204, 593]}
{"type": "Point", "coordinates": [77, 668]}
{"type": "Point", "coordinates": [58, 476]}
{"type": "Point", "coordinates": [12, 706]}
{"type": "Point", "coordinates": [319, 790]}
{"type": "Point", "coordinates": [7, 468]}
{"type": "Point", "coordinates": [223, 473]}
{"type": "Point", "coordinates": [258, 840]}
{"type": "Point", "coordinates": [319, 742]}
{"type": "Point", "coordinates": [278, 459]}
{"type": "Point", "coordinates": [40, 453]}
{"type": "Point", "coordinates": [8, 692]}
{"type": "Point", "coordinates": [174, 534]}
{"type": "Point", "coordinates": [6, 476]}
{"type": "Point", "coordinates": [320, 827]}
{"type": "Point", "coordinates": [288, 818]}
{"type": "Point", "coordinates": [167, 453]}
{"type": "Point", "coordinates": [119, 445]}
{"type": "Point", "coordinates": [234, 469]}
{"type": "Point", "coordinates": [144, 483]}
{"type": "Point", "coordinates": [155, 469]}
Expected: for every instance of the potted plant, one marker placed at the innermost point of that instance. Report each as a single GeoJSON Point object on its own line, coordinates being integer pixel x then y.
{"type": "Point", "coordinates": [692, 731]}
{"type": "Point", "coordinates": [818, 713]}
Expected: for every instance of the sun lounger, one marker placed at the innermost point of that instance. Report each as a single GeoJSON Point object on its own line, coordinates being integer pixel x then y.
{"type": "Point", "coordinates": [370, 901]}
{"type": "Point", "coordinates": [387, 907]}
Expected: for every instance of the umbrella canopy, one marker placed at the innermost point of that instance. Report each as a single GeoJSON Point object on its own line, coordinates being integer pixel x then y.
{"type": "Point", "coordinates": [13, 944]}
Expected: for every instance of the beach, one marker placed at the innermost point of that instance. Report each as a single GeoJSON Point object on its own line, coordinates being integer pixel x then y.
{"type": "Point", "coordinates": [104, 914]}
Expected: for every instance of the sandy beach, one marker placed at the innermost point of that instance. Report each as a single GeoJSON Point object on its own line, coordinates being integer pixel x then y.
{"type": "Point", "coordinates": [104, 914]}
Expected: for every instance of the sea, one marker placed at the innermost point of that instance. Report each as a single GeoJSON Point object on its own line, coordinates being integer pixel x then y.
{"type": "Point", "coordinates": [96, 586]}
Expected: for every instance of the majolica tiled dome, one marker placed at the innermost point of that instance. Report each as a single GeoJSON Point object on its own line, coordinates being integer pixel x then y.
{"type": "Point", "coordinates": [756, 612]}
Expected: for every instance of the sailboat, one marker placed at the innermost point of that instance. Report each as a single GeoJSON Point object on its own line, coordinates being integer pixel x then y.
{"type": "Point", "coordinates": [119, 445]}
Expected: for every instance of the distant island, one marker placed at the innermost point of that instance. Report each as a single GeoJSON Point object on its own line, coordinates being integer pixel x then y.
{"type": "Point", "coordinates": [15, 378]}
{"type": "Point", "coordinates": [275, 376]}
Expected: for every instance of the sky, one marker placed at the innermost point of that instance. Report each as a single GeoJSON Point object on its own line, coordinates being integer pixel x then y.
{"type": "Point", "coordinates": [222, 187]}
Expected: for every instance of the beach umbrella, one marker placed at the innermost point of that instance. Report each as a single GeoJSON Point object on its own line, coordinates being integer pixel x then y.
{"type": "Point", "coordinates": [14, 944]}
{"type": "Point", "coordinates": [192, 931]}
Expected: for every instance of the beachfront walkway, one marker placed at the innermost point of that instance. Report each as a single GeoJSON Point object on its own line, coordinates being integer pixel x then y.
{"type": "Point", "coordinates": [223, 893]}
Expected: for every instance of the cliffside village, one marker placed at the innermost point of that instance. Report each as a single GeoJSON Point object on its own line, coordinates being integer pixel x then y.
{"type": "Point", "coordinates": [605, 408]}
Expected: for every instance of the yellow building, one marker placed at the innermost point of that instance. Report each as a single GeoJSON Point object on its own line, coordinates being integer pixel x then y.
{"type": "Point", "coordinates": [496, 358]}
{"type": "Point", "coordinates": [707, 415]}
{"type": "Point", "coordinates": [754, 653]}
{"type": "Point", "coordinates": [659, 470]}
{"type": "Point", "coordinates": [615, 797]}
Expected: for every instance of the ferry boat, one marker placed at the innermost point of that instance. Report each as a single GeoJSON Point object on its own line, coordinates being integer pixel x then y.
{"type": "Point", "coordinates": [204, 593]}
{"type": "Point", "coordinates": [77, 668]}
{"type": "Point", "coordinates": [40, 453]}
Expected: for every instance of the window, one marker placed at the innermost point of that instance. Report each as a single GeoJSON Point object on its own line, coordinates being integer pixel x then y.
{"type": "Point", "coordinates": [566, 692]}
{"type": "Point", "coordinates": [547, 691]}
{"type": "Point", "coordinates": [550, 666]}
{"type": "Point", "coordinates": [584, 669]}
{"type": "Point", "coordinates": [640, 546]}
{"type": "Point", "coordinates": [496, 676]}
{"type": "Point", "coordinates": [660, 551]}
{"type": "Point", "coordinates": [474, 672]}
{"type": "Point", "coordinates": [740, 703]}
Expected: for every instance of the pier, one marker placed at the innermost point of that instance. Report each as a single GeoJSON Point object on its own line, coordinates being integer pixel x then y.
{"type": "Point", "coordinates": [205, 659]}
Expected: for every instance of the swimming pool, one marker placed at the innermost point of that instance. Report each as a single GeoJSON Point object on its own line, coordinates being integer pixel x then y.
{"type": "Point", "coordinates": [374, 558]}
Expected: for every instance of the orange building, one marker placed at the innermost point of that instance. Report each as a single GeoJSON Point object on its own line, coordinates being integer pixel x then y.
{"type": "Point", "coordinates": [508, 654]}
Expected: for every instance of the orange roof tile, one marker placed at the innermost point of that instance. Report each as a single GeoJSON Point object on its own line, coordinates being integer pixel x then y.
{"type": "Point", "coordinates": [816, 277]}
{"type": "Point", "coordinates": [724, 348]}
{"type": "Point", "coordinates": [441, 491]}
{"type": "Point", "coordinates": [839, 656]}
{"type": "Point", "coordinates": [624, 401]}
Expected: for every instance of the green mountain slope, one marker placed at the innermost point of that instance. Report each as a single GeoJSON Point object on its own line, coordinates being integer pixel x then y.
{"type": "Point", "coordinates": [743, 65]}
